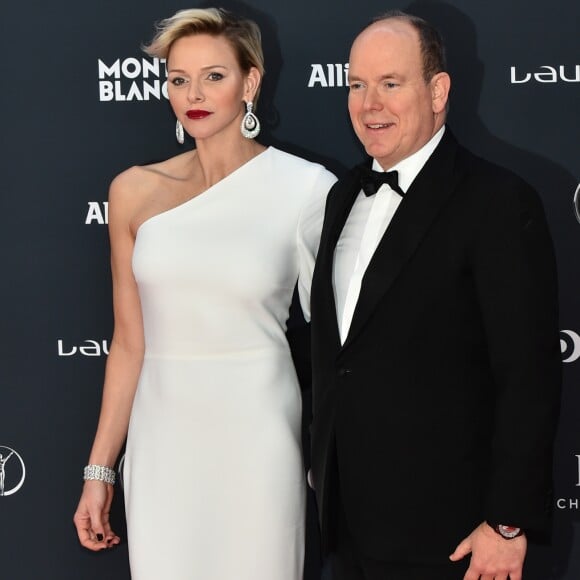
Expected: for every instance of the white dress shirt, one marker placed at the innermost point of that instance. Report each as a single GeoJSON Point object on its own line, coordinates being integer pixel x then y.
{"type": "Point", "coordinates": [365, 226]}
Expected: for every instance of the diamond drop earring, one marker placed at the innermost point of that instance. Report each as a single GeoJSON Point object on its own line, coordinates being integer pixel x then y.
{"type": "Point", "coordinates": [250, 124]}
{"type": "Point", "coordinates": [179, 132]}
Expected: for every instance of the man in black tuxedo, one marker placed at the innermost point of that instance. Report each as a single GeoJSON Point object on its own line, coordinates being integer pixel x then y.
{"type": "Point", "coordinates": [436, 358]}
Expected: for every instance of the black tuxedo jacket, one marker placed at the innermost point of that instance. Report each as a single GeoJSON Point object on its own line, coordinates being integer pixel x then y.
{"type": "Point", "coordinates": [440, 408]}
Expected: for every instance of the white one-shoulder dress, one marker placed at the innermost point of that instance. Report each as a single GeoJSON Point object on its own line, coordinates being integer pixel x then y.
{"type": "Point", "coordinates": [213, 474]}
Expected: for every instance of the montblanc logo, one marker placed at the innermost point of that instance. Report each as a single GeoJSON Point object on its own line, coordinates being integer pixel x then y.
{"type": "Point", "coordinates": [569, 346]}
{"type": "Point", "coordinates": [547, 74]}
{"type": "Point", "coordinates": [87, 348]}
{"type": "Point", "coordinates": [12, 471]}
{"type": "Point", "coordinates": [98, 213]}
{"type": "Point", "coordinates": [132, 79]}
{"type": "Point", "coordinates": [577, 203]}
{"type": "Point", "coordinates": [571, 503]}
{"type": "Point", "coordinates": [328, 75]}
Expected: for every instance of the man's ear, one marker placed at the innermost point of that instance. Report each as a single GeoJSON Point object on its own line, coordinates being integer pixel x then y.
{"type": "Point", "coordinates": [440, 87]}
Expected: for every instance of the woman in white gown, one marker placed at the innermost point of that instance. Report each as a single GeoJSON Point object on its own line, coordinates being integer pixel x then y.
{"type": "Point", "coordinates": [206, 250]}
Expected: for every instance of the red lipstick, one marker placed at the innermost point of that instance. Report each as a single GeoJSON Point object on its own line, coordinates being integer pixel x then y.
{"type": "Point", "coordinates": [197, 114]}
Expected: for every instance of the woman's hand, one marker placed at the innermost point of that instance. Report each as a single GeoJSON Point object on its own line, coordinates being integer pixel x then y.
{"type": "Point", "coordinates": [92, 516]}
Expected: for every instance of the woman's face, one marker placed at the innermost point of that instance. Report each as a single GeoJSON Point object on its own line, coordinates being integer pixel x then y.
{"type": "Point", "coordinates": [206, 86]}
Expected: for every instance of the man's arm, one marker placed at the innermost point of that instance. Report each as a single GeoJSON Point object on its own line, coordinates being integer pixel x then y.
{"type": "Point", "coordinates": [515, 278]}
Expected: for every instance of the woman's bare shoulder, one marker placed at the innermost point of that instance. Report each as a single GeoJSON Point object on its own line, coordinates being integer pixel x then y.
{"type": "Point", "coordinates": [140, 180]}
{"type": "Point", "coordinates": [143, 190]}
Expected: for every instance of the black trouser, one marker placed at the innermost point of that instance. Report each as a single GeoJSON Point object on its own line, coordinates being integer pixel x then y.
{"type": "Point", "coordinates": [347, 563]}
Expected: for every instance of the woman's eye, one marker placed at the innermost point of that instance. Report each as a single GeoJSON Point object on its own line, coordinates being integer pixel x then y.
{"type": "Point", "coordinates": [215, 76]}
{"type": "Point", "coordinates": [177, 81]}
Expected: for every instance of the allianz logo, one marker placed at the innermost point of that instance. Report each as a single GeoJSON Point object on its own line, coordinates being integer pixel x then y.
{"type": "Point", "coordinates": [547, 74]}
{"type": "Point", "coordinates": [98, 213]}
{"type": "Point", "coordinates": [328, 75]}
{"type": "Point", "coordinates": [87, 348]}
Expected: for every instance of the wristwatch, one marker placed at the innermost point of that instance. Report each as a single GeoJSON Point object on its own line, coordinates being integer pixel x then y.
{"type": "Point", "coordinates": [506, 532]}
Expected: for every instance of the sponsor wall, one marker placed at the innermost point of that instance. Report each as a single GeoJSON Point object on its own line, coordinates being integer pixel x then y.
{"type": "Point", "coordinates": [80, 103]}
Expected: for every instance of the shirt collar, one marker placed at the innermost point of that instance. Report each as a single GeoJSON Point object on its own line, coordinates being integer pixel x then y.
{"type": "Point", "coordinates": [409, 168]}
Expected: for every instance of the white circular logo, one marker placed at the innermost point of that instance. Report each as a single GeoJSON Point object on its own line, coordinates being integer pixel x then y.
{"type": "Point", "coordinates": [569, 345]}
{"type": "Point", "coordinates": [12, 471]}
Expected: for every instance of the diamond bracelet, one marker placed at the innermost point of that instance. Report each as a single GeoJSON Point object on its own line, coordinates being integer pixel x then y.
{"type": "Point", "coordinates": [100, 473]}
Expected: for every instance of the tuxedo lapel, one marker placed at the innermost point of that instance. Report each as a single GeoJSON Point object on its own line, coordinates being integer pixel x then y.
{"type": "Point", "coordinates": [426, 196]}
{"type": "Point", "coordinates": [339, 207]}
{"type": "Point", "coordinates": [340, 201]}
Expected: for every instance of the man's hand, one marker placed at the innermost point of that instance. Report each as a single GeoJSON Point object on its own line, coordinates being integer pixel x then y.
{"type": "Point", "coordinates": [492, 557]}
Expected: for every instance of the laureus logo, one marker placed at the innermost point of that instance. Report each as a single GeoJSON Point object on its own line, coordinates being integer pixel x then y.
{"type": "Point", "coordinates": [547, 74]}
{"type": "Point", "coordinates": [89, 348]}
{"type": "Point", "coordinates": [12, 471]}
{"type": "Point", "coordinates": [577, 203]}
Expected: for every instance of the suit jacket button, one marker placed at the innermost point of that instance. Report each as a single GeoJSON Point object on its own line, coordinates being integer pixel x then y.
{"type": "Point", "coordinates": [343, 372]}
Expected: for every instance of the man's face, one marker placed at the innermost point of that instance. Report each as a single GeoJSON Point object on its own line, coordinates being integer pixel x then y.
{"type": "Point", "coordinates": [394, 112]}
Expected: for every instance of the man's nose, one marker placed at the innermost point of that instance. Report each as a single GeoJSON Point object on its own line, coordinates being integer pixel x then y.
{"type": "Point", "coordinates": [372, 100]}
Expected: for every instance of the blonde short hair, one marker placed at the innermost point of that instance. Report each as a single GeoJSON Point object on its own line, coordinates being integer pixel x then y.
{"type": "Point", "coordinates": [243, 35]}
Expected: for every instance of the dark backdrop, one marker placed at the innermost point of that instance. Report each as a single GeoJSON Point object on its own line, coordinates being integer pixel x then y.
{"type": "Point", "coordinates": [79, 105]}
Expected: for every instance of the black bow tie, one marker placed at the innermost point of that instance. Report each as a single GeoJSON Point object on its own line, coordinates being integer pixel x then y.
{"type": "Point", "coordinates": [371, 181]}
